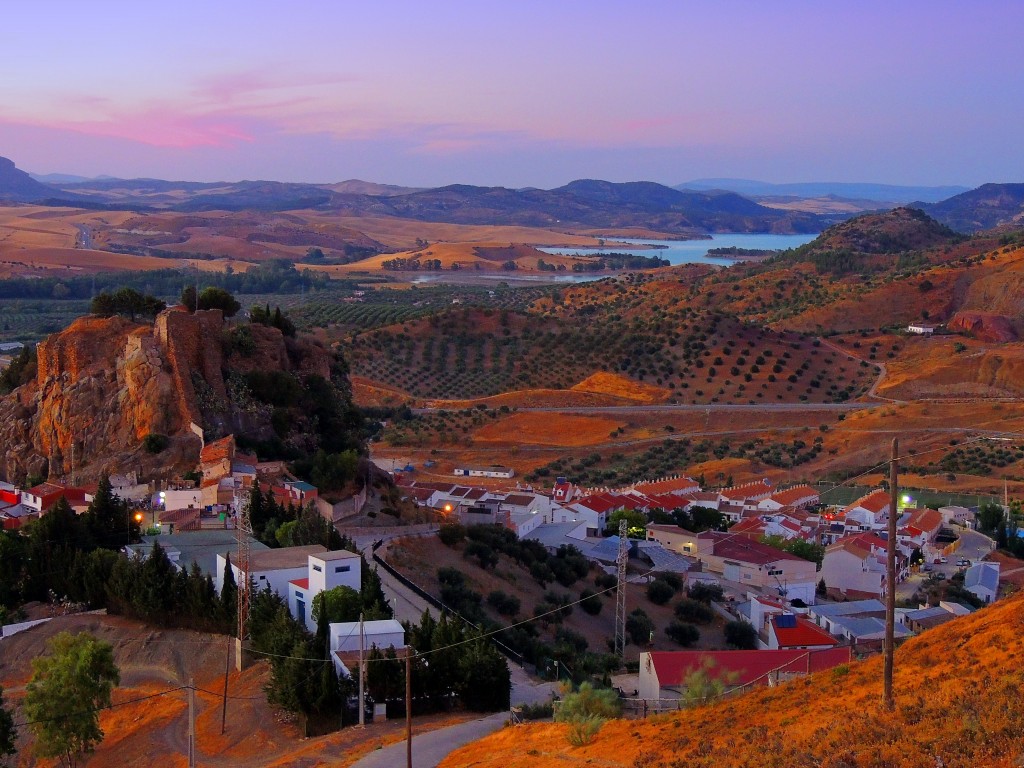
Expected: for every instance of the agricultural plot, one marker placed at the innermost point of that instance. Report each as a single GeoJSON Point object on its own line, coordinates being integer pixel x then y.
{"type": "Point", "coordinates": [32, 320]}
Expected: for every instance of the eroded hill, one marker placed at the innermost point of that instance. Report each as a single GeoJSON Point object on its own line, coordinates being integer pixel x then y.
{"type": "Point", "coordinates": [957, 700]}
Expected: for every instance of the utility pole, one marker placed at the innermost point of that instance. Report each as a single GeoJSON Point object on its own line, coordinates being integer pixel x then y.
{"type": "Point", "coordinates": [408, 707]}
{"type": "Point", "coordinates": [362, 675]}
{"type": "Point", "coordinates": [224, 709]}
{"type": "Point", "coordinates": [191, 723]}
{"type": "Point", "coordinates": [243, 532]}
{"type": "Point", "coordinates": [620, 590]}
{"type": "Point", "coordinates": [890, 585]}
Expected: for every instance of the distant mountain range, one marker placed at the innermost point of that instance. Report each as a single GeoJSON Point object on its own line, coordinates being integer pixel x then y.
{"type": "Point", "coordinates": [699, 206]}
{"type": "Point", "coordinates": [987, 207]}
{"type": "Point", "coordinates": [883, 193]}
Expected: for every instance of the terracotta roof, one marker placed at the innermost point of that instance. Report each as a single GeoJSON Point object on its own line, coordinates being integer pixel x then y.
{"type": "Point", "coordinates": [925, 519]}
{"type": "Point", "coordinates": [747, 490]}
{"type": "Point", "coordinates": [745, 549]}
{"type": "Point", "coordinates": [750, 667]}
{"type": "Point", "coordinates": [700, 496]}
{"type": "Point", "coordinates": [794, 494]}
{"type": "Point", "coordinates": [668, 501]}
{"type": "Point", "coordinates": [669, 485]}
{"type": "Point", "coordinates": [875, 501]}
{"type": "Point", "coordinates": [804, 633]}
{"type": "Point", "coordinates": [218, 450]}
{"type": "Point", "coordinates": [300, 583]}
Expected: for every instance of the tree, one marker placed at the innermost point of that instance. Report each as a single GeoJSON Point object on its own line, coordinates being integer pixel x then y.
{"type": "Point", "coordinates": [126, 301]}
{"type": "Point", "coordinates": [991, 517]}
{"type": "Point", "coordinates": [639, 627]}
{"type": "Point", "coordinates": [636, 522]}
{"type": "Point", "coordinates": [589, 701]}
{"type": "Point", "coordinates": [108, 518]}
{"type": "Point", "coordinates": [69, 686]}
{"type": "Point", "coordinates": [660, 592]}
{"type": "Point", "coordinates": [340, 604]}
{"type": "Point", "coordinates": [683, 633]}
{"type": "Point", "coordinates": [212, 297]}
{"type": "Point", "coordinates": [189, 298]}
{"type": "Point", "coordinates": [741, 634]}
{"type": "Point", "coordinates": [7, 731]}
{"type": "Point", "coordinates": [703, 684]}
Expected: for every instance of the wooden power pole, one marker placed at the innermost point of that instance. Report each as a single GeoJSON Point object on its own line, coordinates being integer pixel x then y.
{"type": "Point", "coordinates": [408, 707]}
{"type": "Point", "coordinates": [890, 582]}
{"type": "Point", "coordinates": [191, 723]}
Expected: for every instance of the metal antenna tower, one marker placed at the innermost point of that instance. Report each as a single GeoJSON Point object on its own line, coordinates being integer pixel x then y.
{"type": "Point", "coordinates": [243, 535]}
{"type": "Point", "coordinates": [620, 591]}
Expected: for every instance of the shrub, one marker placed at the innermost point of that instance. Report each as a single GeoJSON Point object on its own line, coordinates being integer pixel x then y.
{"type": "Point", "coordinates": [694, 611]}
{"type": "Point", "coordinates": [684, 634]}
{"type": "Point", "coordinates": [451, 534]}
{"type": "Point", "coordinates": [706, 593]}
{"type": "Point", "coordinates": [605, 580]}
{"type": "Point", "coordinates": [154, 443]}
{"type": "Point", "coordinates": [639, 626]}
{"type": "Point", "coordinates": [659, 592]}
{"type": "Point", "coordinates": [590, 602]}
{"type": "Point", "coordinates": [741, 634]}
{"type": "Point", "coordinates": [506, 605]}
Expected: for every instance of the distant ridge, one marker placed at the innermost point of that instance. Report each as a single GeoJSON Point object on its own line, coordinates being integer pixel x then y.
{"type": "Point", "coordinates": [987, 207]}
{"type": "Point", "coordinates": [883, 193]}
{"type": "Point", "coordinates": [19, 186]}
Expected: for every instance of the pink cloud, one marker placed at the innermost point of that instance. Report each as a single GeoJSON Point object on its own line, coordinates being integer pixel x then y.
{"type": "Point", "coordinates": [160, 128]}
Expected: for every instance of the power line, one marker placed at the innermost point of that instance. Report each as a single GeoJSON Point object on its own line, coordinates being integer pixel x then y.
{"type": "Point", "coordinates": [100, 709]}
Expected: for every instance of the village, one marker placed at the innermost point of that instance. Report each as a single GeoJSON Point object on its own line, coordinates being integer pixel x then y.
{"type": "Point", "coordinates": [805, 615]}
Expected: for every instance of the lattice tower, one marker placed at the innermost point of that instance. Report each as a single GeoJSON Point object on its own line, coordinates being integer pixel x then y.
{"type": "Point", "coordinates": [620, 591]}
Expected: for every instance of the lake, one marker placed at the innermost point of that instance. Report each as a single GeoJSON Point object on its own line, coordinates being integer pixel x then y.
{"type": "Point", "coordinates": [690, 251]}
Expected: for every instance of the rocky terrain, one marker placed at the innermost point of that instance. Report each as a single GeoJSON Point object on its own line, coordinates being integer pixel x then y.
{"type": "Point", "coordinates": [103, 384]}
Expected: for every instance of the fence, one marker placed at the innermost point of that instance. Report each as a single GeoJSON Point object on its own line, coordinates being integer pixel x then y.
{"type": "Point", "coordinates": [846, 494]}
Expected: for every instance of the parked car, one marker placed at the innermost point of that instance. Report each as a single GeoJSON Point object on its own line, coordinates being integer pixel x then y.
{"type": "Point", "coordinates": [927, 568]}
{"type": "Point", "coordinates": [963, 562]}
{"type": "Point", "coordinates": [943, 560]}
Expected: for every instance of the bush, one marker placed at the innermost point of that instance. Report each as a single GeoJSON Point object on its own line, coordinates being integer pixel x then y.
{"type": "Point", "coordinates": [590, 602]}
{"type": "Point", "coordinates": [506, 605]}
{"type": "Point", "coordinates": [605, 580]}
{"type": "Point", "coordinates": [706, 593]}
{"type": "Point", "coordinates": [659, 592]}
{"type": "Point", "coordinates": [694, 611]}
{"type": "Point", "coordinates": [684, 634]}
{"type": "Point", "coordinates": [741, 634]}
{"type": "Point", "coordinates": [451, 534]}
{"type": "Point", "coordinates": [639, 627]}
{"type": "Point", "coordinates": [154, 443]}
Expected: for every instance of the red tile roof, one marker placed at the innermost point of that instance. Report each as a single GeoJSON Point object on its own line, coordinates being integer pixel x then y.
{"type": "Point", "coordinates": [300, 583]}
{"type": "Point", "coordinates": [803, 634]}
{"type": "Point", "coordinates": [669, 485]}
{"type": "Point", "coordinates": [798, 493]}
{"type": "Point", "coordinates": [218, 450]}
{"type": "Point", "coordinates": [875, 502]}
{"type": "Point", "coordinates": [746, 550]}
{"type": "Point", "coordinates": [748, 490]}
{"type": "Point", "coordinates": [750, 667]}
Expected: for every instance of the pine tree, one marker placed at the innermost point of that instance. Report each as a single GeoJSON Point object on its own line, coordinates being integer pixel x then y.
{"type": "Point", "coordinates": [229, 598]}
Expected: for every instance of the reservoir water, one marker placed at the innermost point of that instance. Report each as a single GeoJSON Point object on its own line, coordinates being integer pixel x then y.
{"type": "Point", "coordinates": [690, 251]}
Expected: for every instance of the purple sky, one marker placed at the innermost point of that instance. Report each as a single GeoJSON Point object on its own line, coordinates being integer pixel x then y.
{"type": "Point", "coordinates": [517, 93]}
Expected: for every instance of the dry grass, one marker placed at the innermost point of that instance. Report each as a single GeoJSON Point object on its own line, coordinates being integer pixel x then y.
{"type": "Point", "coordinates": [957, 694]}
{"type": "Point", "coordinates": [565, 431]}
{"type": "Point", "coordinates": [605, 383]}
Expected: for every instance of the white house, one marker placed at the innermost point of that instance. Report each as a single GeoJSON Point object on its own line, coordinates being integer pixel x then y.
{"type": "Point", "coordinates": [854, 567]}
{"type": "Point", "coordinates": [982, 580]}
{"type": "Point", "coordinates": [797, 496]}
{"type": "Point", "coordinates": [492, 471]}
{"type": "Point", "coordinates": [345, 640]}
{"type": "Point", "coordinates": [181, 499]}
{"type": "Point", "coordinates": [869, 512]}
{"type": "Point", "coordinates": [298, 574]}
{"type": "Point", "coordinates": [956, 514]}
{"type": "Point", "coordinates": [789, 631]}
{"type": "Point", "coordinates": [921, 329]}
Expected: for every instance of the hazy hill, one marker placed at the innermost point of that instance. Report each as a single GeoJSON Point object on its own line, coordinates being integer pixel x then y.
{"type": "Point", "coordinates": [988, 206]}
{"type": "Point", "coordinates": [885, 193]}
{"type": "Point", "coordinates": [17, 185]}
{"type": "Point", "coordinates": [957, 690]}
{"type": "Point", "coordinates": [588, 203]}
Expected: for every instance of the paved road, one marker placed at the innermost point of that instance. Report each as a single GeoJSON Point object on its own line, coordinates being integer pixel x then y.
{"type": "Point", "coordinates": [430, 748]}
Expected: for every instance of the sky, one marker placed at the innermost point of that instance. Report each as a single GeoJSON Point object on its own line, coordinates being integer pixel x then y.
{"type": "Point", "coordinates": [517, 93]}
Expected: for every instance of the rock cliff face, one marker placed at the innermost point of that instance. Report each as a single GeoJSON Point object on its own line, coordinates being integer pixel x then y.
{"type": "Point", "coordinates": [103, 384]}
{"type": "Point", "coordinates": [984, 326]}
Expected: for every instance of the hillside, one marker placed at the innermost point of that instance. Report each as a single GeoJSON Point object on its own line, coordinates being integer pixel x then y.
{"type": "Point", "coordinates": [987, 207]}
{"type": "Point", "coordinates": [580, 204]}
{"type": "Point", "coordinates": [17, 185]}
{"type": "Point", "coordinates": [103, 384]}
{"type": "Point", "coordinates": [957, 695]}
{"type": "Point", "coordinates": [879, 193]}
{"type": "Point", "coordinates": [891, 232]}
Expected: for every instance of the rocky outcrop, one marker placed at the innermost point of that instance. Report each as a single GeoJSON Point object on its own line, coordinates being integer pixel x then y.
{"type": "Point", "coordinates": [103, 384]}
{"type": "Point", "coordinates": [984, 326]}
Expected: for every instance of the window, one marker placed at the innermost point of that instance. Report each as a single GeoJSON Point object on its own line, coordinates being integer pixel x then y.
{"type": "Point", "coordinates": [318, 569]}
{"type": "Point", "coordinates": [342, 568]}
{"type": "Point", "coordinates": [297, 593]}
{"type": "Point", "coordinates": [263, 578]}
